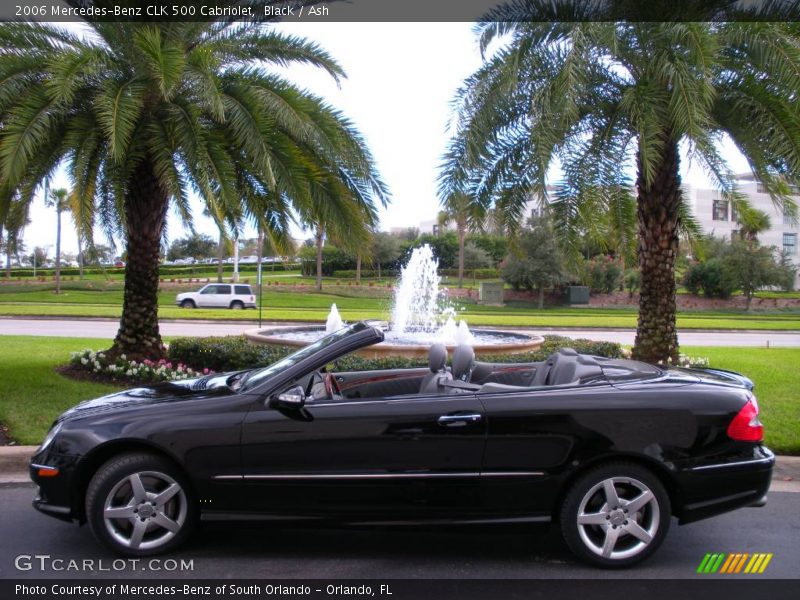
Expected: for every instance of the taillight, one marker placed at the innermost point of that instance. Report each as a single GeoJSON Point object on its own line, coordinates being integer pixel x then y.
{"type": "Point", "coordinates": [745, 426]}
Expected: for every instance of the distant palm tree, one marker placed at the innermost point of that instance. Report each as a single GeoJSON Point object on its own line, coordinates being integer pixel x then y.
{"type": "Point", "coordinates": [605, 98]}
{"type": "Point", "coordinates": [752, 222]}
{"type": "Point", "coordinates": [143, 112]}
{"type": "Point", "coordinates": [59, 199]}
{"type": "Point", "coordinates": [468, 214]}
{"type": "Point", "coordinates": [15, 221]}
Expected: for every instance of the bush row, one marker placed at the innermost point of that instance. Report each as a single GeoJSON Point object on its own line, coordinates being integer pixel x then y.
{"type": "Point", "coordinates": [366, 273]}
{"type": "Point", "coordinates": [163, 270]}
{"type": "Point", "coordinates": [236, 352]}
{"type": "Point", "coordinates": [472, 273]}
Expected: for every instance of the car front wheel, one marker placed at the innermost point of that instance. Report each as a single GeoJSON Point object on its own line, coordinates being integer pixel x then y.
{"type": "Point", "coordinates": [616, 515]}
{"type": "Point", "coordinates": [139, 504]}
{"type": "Point", "coordinates": [188, 304]}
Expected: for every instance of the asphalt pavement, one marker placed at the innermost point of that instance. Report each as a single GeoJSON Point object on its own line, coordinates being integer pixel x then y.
{"type": "Point", "coordinates": [488, 552]}
{"type": "Point", "coordinates": [107, 329]}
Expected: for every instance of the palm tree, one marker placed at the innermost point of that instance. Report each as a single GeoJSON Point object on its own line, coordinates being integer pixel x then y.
{"type": "Point", "coordinates": [15, 221]}
{"type": "Point", "coordinates": [143, 112]}
{"type": "Point", "coordinates": [468, 214]}
{"type": "Point", "coordinates": [59, 199]}
{"type": "Point", "coordinates": [605, 99]}
{"type": "Point", "coordinates": [752, 222]}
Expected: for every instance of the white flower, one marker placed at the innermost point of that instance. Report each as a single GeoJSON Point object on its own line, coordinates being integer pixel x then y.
{"type": "Point", "coordinates": [84, 361]}
{"type": "Point", "coordinates": [123, 357]}
{"type": "Point", "coordinates": [128, 372]}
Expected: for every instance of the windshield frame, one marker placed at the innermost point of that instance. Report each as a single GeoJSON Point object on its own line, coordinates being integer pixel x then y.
{"type": "Point", "coordinates": [258, 377]}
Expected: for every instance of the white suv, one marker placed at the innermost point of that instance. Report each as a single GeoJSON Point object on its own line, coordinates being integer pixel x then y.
{"type": "Point", "coordinates": [219, 295]}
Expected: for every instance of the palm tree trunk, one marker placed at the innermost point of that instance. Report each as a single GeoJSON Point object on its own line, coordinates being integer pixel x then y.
{"type": "Point", "coordinates": [358, 269]}
{"type": "Point", "coordinates": [58, 250]}
{"type": "Point", "coordinates": [462, 233]}
{"type": "Point", "coordinates": [145, 208]}
{"type": "Point", "coordinates": [657, 214]}
{"type": "Point", "coordinates": [541, 296]}
{"type": "Point", "coordinates": [1, 235]}
{"type": "Point", "coordinates": [320, 236]}
{"type": "Point", "coordinates": [220, 255]}
{"type": "Point", "coordinates": [80, 257]}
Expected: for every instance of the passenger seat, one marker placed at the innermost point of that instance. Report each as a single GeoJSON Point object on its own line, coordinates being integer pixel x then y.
{"type": "Point", "coordinates": [437, 363]}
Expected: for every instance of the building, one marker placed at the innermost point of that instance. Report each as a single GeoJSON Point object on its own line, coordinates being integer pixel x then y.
{"type": "Point", "coordinates": [715, 215]}
{"type": "Point", "coordinates": [718, 217]}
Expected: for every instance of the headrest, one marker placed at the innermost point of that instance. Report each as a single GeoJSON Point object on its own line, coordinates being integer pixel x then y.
{"type": "Point", "coordinates": [568, 352]}
{"type": "Point", "coordinates": [463, 362]}
{"type": "Point", "coordinates": [437, 358]}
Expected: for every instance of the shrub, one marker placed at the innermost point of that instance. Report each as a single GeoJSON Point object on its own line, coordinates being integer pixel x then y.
{"type": "Point", "coordinates": [632, 280]}
{"type": "Point", "coordinates": [236, 352]}
{"type": "Point", "coordinates": [365, 273]}
{"type": "Point", "coordinates": [604, 274]}
{"type": "Point", "coordinates": [713, 277]}
{"type": "Point", "coordinates": [486, 273]}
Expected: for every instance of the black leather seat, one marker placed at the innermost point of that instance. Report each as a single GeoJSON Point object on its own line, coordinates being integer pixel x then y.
{"type": "Point", "coordinates": [437, 363]}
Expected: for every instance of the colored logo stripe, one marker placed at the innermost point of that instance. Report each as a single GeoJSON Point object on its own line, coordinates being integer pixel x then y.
{"type": "Point", "coordinates": [721, 562]}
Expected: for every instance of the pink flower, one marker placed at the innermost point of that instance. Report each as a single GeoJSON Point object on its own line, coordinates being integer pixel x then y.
{"type": "Point", "coordinates": [206, 371]}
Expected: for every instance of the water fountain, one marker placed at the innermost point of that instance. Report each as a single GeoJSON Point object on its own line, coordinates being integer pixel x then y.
{"type": "Point", "coordinates": [422, 314]}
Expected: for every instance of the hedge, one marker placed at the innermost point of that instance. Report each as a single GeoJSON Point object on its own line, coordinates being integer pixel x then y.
{"type": "Point", "coordinates": [163, 270]}
{"type": "Point", "coordinates": [231, 353]}
{"type": "Point", "coordinates": [365, 273]}
{"type": "Point", "coordinates": [472, 273]}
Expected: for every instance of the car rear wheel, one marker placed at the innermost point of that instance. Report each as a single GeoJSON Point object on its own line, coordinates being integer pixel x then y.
{"type": "Point", "coordinates": [236, 305]}
{"type": "Point", "coordinates": [139, 504]}
{"type": "Point", "coordinates": [616, 515]}
{"type": "Point", "coordinates": [188, 304]}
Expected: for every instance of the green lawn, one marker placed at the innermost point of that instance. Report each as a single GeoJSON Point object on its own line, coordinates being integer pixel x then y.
{"type": "Point", "coordinates": [354, 303]}
{"type": "Point", "coordinates": [32, 394]}
{"type": "Point", "coordinates": [777, 379]}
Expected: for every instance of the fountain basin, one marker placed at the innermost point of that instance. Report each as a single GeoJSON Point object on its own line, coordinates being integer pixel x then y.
{"type": "Point", "coordinates": [486, 341]}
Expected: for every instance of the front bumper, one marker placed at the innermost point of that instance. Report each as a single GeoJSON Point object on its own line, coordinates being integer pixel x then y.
{"type": "Point", "coordinates": [54, 496]}
{"type": "Point", "coordinates": [720, 487]}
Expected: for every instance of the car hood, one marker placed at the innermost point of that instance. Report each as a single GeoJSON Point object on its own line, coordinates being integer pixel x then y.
{"type": "Point", "coordinates": [157, 393]}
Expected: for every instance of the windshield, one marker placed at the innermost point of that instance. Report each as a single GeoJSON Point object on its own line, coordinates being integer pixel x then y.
{"type": "Point", "coordinates": [256, 377]}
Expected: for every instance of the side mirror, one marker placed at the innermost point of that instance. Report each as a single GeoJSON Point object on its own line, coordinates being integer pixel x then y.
{"type": "Point", "coordinates": [291, 398]}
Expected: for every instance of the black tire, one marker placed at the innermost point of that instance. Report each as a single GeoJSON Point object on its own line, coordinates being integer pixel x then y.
{"type": "Point", "coordinates": [163, 525]}
{"type": "Point", "coordinates": [618, 527]}
{"type": "Point", "coordinates": [188, 304]}
{"type": "Point", "coordinates": [237, 305]}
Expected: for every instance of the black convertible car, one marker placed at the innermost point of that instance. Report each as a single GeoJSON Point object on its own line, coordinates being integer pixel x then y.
{"type": "Point", "coordinates": [609, 449]}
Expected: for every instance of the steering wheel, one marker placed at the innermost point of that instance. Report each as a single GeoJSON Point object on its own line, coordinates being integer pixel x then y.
{"type": "Point", "coordinates": [332, 386]}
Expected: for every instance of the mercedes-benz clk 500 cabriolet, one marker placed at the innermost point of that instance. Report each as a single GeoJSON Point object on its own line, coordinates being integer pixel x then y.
{"type": "Point", "coordinates": [608, 449]}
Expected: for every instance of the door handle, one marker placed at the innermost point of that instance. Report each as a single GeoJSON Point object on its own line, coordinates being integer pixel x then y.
{"type": "Point", "coordinates": [459, 420]}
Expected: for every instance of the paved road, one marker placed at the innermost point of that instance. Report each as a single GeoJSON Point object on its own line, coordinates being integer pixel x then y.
{"type": "Point", "coordinates": [108, 328]}
{"type": "Point", "coordinates": [491, 552]}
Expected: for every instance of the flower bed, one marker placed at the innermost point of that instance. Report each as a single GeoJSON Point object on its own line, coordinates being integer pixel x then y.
{"type": "Point", "coordinates": [122, 368]}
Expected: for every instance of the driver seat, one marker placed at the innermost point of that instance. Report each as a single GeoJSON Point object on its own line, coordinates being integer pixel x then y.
{"type": "Point", "coordinates": [437, 363]}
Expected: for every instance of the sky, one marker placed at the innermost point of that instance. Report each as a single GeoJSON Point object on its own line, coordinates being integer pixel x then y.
{"type": "Point", "coordinates": [401, 80]}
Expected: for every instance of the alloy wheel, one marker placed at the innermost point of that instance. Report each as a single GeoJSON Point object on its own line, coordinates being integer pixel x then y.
{"type": "Point", "coordinates": [618, 518]}
{"type": "Point", "coordinates": [145, 510]}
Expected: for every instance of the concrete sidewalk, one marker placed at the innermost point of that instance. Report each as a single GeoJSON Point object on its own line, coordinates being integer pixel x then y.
{"type": "Point", "coordinates": [14, 468]}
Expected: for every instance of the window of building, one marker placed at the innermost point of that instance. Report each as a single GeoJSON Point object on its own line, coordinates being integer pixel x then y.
{"type": "Point", "coordinates": [536, 213]}
{"type": "Point", "coordinates": [787, 218]}
{"type": "Point", "coordinates": [720, 210]}
{"type": "Point", "coordinates": [734, 213]}
{"type": "Point", "coordinates": [790, 243]}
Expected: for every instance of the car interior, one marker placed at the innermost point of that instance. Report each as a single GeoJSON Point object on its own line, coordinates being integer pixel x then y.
{"type": "Point", "coordinates": [464, 374]}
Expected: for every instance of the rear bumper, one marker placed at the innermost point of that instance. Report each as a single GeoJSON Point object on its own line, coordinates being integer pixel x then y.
{"type": "Point", "coordinates": [724, 486]}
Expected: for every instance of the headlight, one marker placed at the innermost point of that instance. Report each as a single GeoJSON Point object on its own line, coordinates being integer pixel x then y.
{"type": "Point", "coordinates": [51, 435]}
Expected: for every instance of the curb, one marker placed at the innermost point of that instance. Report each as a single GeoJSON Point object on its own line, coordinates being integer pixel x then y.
{"type": "Point", "coordinates": [14, 468]}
